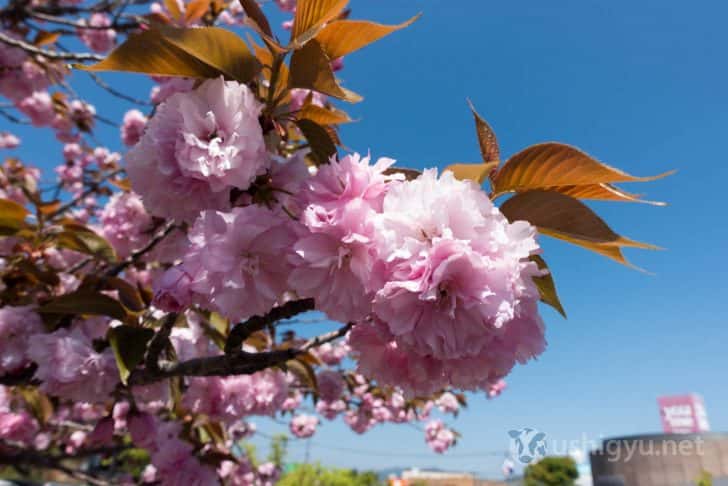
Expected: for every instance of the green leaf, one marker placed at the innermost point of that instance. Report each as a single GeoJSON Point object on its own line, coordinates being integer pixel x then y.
{"type": "Point", "coordinates": [129, 344]}
{"type": "Point", "coordinates": [82, 239]}
{"type": "Point", "coordinates": [85, 302]}
{"type": "Point", "coordinates": [128, 294]}
{"type": "Point", "coordinates": [205, 52]}
{"type": "Point", "coordinates": [546, 286]}
{"type": "Point", "coordinates": [304, 372]}
{"type": "Point", "coordinates": [319, 140]}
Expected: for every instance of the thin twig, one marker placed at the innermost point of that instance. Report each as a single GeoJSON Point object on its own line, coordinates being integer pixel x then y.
{"type": "Point", "coordinates": [97, 79]}
{"type": "Point", "coordinates": [54, 55]}
{"type": "Point", "coordinates": [135, 255]}
{"type": "Point", "coordinates": [93, 188]}
{"type": "Point", "coordinates": [80, 25]}
{"type": "Point", "coordinates": [13, 118]}
{"type": "Point", "coordinates": [326, 338]}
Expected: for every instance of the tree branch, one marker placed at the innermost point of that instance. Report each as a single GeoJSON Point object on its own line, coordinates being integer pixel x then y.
{"type": "Point", "coordinates": [53, 55]}
{"type": "Point", "coordinates": [135, 255]}
{"type": "Point", "coordinates": [244, 330]}
{"type": "Point", "coordinates": [239, 363]}
{"type": "Point", "coordinates": [159, 342]}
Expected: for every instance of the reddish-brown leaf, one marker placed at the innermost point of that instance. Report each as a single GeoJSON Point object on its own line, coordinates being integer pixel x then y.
{"type": "Point", "coordinates": [550, 165]}
{"type": "Point", "coordinates": [311, 16]}
{"type": "Point", "coordinates": [342, 37]}
{"type": "Point", "coordinates": [256, 16]}
{"type": "Point", "coordinates": [311, 69]}
{"type": "Point", "coordinates": [486, 138]}
{"type": "Point", "coordinates": [473, 172]}
{"type": "Point", "coordinates": [568, 219]}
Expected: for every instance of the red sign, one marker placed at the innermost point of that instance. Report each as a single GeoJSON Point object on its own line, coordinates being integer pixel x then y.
{"type": "Point", "coordinates": [683, 414]}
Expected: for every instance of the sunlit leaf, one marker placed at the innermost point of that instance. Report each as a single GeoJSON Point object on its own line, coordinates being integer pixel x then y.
{"type": "Point", "coordinates": [304, 372]}
{"type": "Point", "coordinates": [550, 165]}
{"type": "Point", "coordinates": [487, 140]}
{"type": "Point", "coordinates": [546, 286]}
{"type": "Point", "coordinates": [322, 115]}
{"type": "Point", "coordinates": [311, 69]}
{"type": "Point", "coordinates": [342, 37]}
{"type": "Point", "coordinates": [43, 38]}
{"type": "Point", "coordinates": [129, 344]}
{"type": "Point", "coordinates": [473, 172]}
{"type": "Point", "coordinates": [319, 140]}
{"type": "Point", "coordinates": [255, 14]}
{"type": "Point", "coordinates": [82, 239]}
{"type": "Point", "coordinates": [205, 52]}
{"type": "Point", "coordinates": [85, 302]}
{"type": "Point", "coordinates": [568, 219]}
{"type": "Point", "coordinates": [602, 192]}
{"type": "Point", "coordinates": [311, 16]}
{"type": "Point", "coordinates": [129, 294]}
{"type": "Point", "coordinates": [195, 10]}
{"type": "Point", "coordinates": [12, 217]}
{"type": "Point", "coordinates": [173, 8]}
{"type": "Point", "coordinates": [40, 406]}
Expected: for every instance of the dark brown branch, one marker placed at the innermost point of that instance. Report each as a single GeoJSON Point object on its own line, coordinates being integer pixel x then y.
{"type": "Point", "coordinates": [326, 338]}
{"type": "Point", "coordinates": [24, 377]}
{"type": "Point", "coordinates": [53, 55]}
{"type": "Point", "coordinates": [239, 363]}
{"type": "Point", "coordinates": [93, 187]}
{"type": "Point", "coordinates": [244, 330]}
{"type": "Point", "coordinates": [159, 342]}
{"type": "Point", "coordinates": [80, 25]}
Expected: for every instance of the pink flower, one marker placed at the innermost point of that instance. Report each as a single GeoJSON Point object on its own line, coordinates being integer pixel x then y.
{"type": "Point", "coordinates": [18, 325]}
{"type": "Point", "coordinates": [143, 430]}
{"type": "Point", "coordinates": [239, 261]}
{"type": "Point", "coordinates": [177, 465]}
{"type": "Point", "coordinates": [286, 5]}
{"type": "Point", "coordinates": [231, 398]}
{"type": "Point", "coordinates": [132, 127]}
{"type": "Point", "coordinates": [173, 289]}
{"type": "Point", "coordinates": [345, 180]}
{"type": "Point", "coordinates": [18, 427]}
{"type": "Point", "coordinates": [330, 410]}
{"type": "Point", "coordinates": [8, 140]}
{"type": "Point", "coordinates": [82, 114]}
{"type": "Point", "coordinates": [197, 147]}
{"type": "Point", "coordinates": [69, 367]}
{"type": "Point", "coordinates": [380, 357]}
{"type": "Point", "coordinates": [337, 261]}
{"type": "Point", "coordinates": [39, 108]}
{"type": "Point", "coordinates": [299, 97]}
{"type": "Point", "coordinates": [496, 389]}
{"type": "Point", "coordinates": [331, 353]}
{"type": "Point", "coordinates": [448, 403]}
{"type": "Point", "coordinates": [303, 426]}
{"type": "Point", "coordinates": [102, 434]}
{"type": "Point", "coordinates": [98, 39]}
{"type": "Point", "coordinates": [459, 284]}
{"type": "Point", "coordinates": [438, 437]}
{"type": "Point", "coordinates": [125, 223]}
{"type": "Point", "coordinates": [330, 385]}
{"type": "Point", "coordinates": [169, 86]}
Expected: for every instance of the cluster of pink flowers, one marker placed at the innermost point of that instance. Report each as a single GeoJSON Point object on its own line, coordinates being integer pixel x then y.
{"type": "Point", "coordinates": [197, 148]}
{"type": "Point", "coordinates": [132, 127]}
{"type": "Point", "coordinates": [17, 326]}
{"type": "Point", "coordinates": [303, 426]}
{"type": "Point", "coordinates": [96, 37]}
{"type": "Point", "coordinates": [69, 366]}
{"type": "Point", "coordinates": [125, 223]}
{"type": "Point", "coordinates": [438, 436]}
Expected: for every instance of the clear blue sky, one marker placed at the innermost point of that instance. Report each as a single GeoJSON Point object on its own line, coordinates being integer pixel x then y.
{"type": "Point", "coordinates": [640, 85]}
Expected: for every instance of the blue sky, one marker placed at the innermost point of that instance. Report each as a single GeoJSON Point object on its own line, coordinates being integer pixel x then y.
{"type": "Point", "coordinates": [641, 86]}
